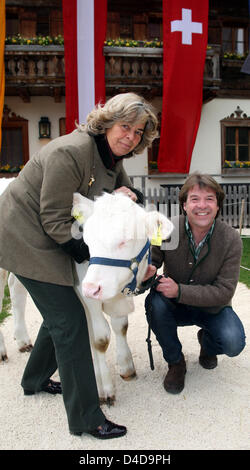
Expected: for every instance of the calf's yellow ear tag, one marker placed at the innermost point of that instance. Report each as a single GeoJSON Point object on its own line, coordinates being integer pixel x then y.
{"type": "Point", "coordinates": [78, 216]}
{"type": "Point", "coordinates": [157, 237]}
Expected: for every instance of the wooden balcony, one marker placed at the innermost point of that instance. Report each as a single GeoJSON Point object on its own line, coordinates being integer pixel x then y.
{"type": "Point", "coordinates": [39, 70]}
{"type": "Point", "coordinates": [141, 69]}
{"type": "Point", "coordinates": [136, 69]}
{"type": "Point", "coordinates": [34, 71]}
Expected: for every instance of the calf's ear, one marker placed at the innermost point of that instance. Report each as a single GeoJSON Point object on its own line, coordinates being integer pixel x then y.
{"type": "Point", "coordinates": [82, 208]}
{"type": "Point", "coordinates": [158, 225]}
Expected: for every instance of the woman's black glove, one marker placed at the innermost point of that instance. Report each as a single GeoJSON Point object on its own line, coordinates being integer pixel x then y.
{"type": "Point", "coordinates": [139, 195]}
{"type": "Point", "coordinates": [77, 249]}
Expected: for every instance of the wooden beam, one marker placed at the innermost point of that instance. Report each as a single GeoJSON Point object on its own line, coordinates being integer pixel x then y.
{"type": "Point", "coordinates": [23, 92]}
{"type": "Point", "coordinates": [57, 94]}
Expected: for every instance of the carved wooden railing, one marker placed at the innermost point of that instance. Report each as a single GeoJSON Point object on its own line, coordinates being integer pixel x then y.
{"type": "Point", "coordinates": [212, 75]}
{"type": "Point", "coordinates": [125, 68]}
{"type": "Point", "coordinates": [133, 67]}
{"type": "Point", "coordinates": [34, 67]}
{"type": "Point", "coordinates": [142, 67]}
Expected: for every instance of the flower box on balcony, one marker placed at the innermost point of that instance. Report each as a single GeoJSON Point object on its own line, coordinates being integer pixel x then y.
{"type": "Point", "coordinates": [232, 63]}
{"type": "Point", "coordinates": [5, 174]}
{"type": "Point", "coordinates": [236, 171]}
{"type": "Point", "coordinates": [133, 51]}
{"type": "Point", "coordinates": [33, 48]}
{"type": "Point", "coordinates": [236, 168]}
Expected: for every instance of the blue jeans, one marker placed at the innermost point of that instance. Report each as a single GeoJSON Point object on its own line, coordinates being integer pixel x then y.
{"type": "Point", "coordinates": [223, 332]}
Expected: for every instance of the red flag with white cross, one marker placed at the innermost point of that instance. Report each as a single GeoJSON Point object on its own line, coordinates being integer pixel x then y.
{"type": "Point", "coordinates": [185, 42]}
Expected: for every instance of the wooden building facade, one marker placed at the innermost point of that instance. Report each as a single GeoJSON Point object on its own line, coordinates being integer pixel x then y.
{"type": "Point", "coordinates": [35, 80]}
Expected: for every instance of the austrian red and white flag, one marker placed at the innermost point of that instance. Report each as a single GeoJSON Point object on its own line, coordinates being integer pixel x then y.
{"type": "Point", "coordinates": [84, 24]}
{"type": "Point", "coordinates": [185, 42]}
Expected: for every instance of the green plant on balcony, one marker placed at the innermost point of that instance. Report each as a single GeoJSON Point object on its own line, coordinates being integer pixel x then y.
{"type": "Point", "coordinates": [236, 164]}
{"type": "Point", "coordinates": [119, 42]}
{"type": "Point", "coordinates": [133, 43]}
{"type": "Point", "coordinates": [234, 56]}
{"type": "Point", "coordinates": [10, 169]}
{"type": "Point", "coordinates": [153, 165]}
{"type": "Point", "coordinates": [37, 40]}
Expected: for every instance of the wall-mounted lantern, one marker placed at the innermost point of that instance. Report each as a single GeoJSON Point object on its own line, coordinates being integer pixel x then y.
{"type": "Point", "coordinates": [44, 128]}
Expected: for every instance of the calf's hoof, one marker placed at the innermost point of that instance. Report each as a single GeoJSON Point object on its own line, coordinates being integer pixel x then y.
{"type": "Point", "coordinates": [3, 357]}
{"type": "Point", "coordinates": [26, 348]}
{"type": "Point", "coordinates": [110, 401]}
{"type": "Point", "coordinates": [128, 376]}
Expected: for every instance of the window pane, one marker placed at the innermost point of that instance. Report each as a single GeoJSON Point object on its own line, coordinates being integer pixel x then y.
{"type": "Point", "coordinates": [230, 153]}
{"type": "Point", "coordinates": [42, 25]}
{"type": "Point", "coordinates": [243, 153]}
{"type": "Point", "coordinates": [243, 135]}
{"type": "Point", "coordinates": [227, 39]}
{"type": "Point", "coordinates": [12, 26]}
{"type": "Point", "coordinates": [230, 135]}
{"type": "Point", "coordinates": [239, 45]}
{"type": "Point", "coordinates": [239, 48]}
{"type": "Point", "coordinates": [227, 34]}
{"type": "Point", "coordinates": [12, 145]}
{"type": "Point", "coordinates": [226, 47]}
{"type": "Point", "coordinates": [154, 31]}
{"type": "Point", "coordinates": [240, 34]}
{"type": "Point", "coordinates": [126, 27]}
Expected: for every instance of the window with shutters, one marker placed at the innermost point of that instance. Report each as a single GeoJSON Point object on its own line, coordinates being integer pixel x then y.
{"type": "Point", "coordinates": [234, 39]}
{"type": "Point", "coordinates": [235, 143]}
{"type": "Point", "coordinates": [15, 143]}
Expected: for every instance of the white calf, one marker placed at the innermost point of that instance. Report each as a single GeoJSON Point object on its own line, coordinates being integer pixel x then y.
{"type": "Point", "coordinates": [116, 231]}
{"type": "Point", "coordinates": [18, 296]}
{"type": "Point", "coordinates": [114, 228]}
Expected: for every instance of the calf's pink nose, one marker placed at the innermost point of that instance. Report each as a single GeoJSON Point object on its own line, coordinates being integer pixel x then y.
{"type": "Point", "coordinates": [91, 290]}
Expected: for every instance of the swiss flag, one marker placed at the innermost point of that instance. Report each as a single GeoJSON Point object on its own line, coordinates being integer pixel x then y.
{"type": "Point", "coordinates": [84, 24]}
{"type": "Point", "coordinates": [185, 42]}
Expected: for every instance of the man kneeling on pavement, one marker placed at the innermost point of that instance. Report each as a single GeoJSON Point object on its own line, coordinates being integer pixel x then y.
{"type": "Point", "coordinates": [200, 278]}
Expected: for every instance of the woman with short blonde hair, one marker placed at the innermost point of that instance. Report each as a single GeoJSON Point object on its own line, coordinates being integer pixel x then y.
{"type": "Point", "coordinates": [89, 161]}
{"type": "Point", "coordinates": [126, 107]}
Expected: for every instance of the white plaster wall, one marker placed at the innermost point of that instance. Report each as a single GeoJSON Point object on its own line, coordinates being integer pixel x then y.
{"type": "Point", "coordinates": [207, 150]}
{"type": "Point", "coordinates": [137, 165]}
{"type": "Point", "coordinates": [38, 106]}
{"type": "Point", "coordinates": [46, 106]}
{"type": "Point", "coordinates": [206, 156]}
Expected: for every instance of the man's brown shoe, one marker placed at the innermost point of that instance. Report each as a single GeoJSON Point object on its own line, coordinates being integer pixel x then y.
{"type": "Point", "coordinates": [175, 378]}
{"type": "Point", "coordinates": [208, 362]}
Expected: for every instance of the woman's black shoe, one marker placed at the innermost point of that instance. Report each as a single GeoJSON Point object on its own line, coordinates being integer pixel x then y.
{"type": "Point", "coordinates": [108, 430]}
{"type": "Point", "coordinates": [52, 387]}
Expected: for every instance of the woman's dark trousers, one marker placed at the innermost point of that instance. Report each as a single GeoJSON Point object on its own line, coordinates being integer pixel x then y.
{"type": "Point", "coordinates": [63, 343]}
